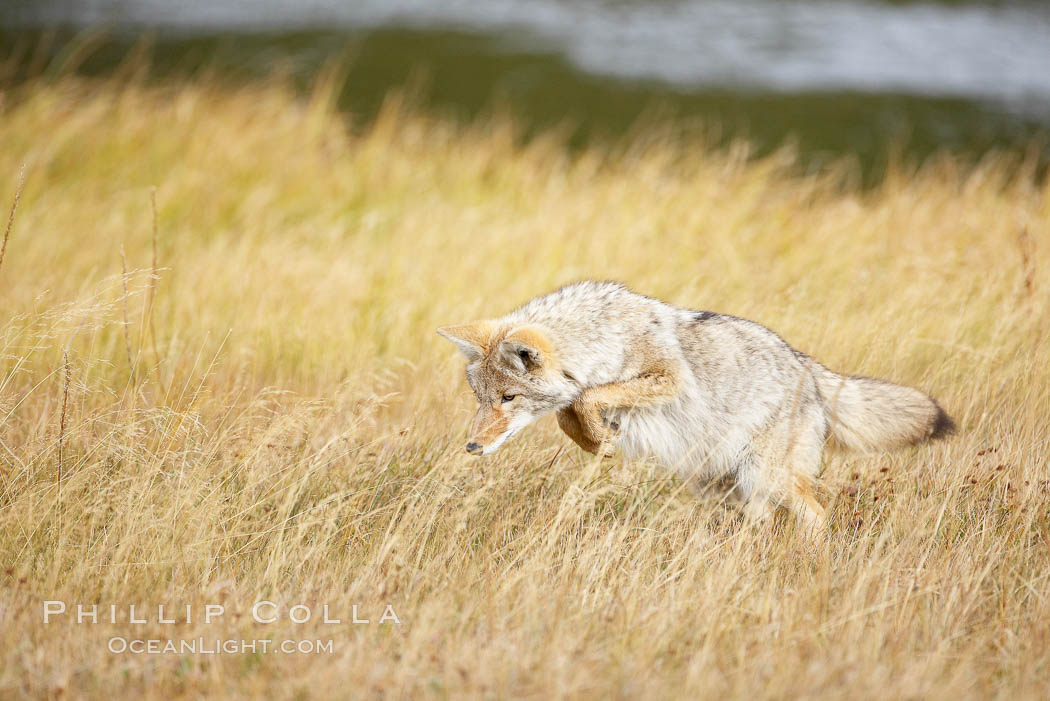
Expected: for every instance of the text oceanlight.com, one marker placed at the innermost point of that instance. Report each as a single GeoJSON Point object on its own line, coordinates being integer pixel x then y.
{"type": "Point", "coordinates": [204, 646]}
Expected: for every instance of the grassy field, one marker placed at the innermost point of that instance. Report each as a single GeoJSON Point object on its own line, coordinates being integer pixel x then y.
{"type": "Point", "coordinates": [241, 398]}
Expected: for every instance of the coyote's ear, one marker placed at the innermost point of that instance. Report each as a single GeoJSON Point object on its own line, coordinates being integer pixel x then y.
{"type": "Point", "coordinates": [473, 340]}
{"type": "Point", "coordinates": [526, 349]}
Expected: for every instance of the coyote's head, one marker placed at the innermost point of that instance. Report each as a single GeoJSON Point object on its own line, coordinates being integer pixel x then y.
{"type": "Point", "coordinates": [516, 376]}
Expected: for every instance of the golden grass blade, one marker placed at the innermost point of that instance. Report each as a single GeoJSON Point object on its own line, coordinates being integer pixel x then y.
{"type": "Point", "coordinates": [21, 182]}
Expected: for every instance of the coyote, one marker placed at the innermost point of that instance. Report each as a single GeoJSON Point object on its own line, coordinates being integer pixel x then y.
{"type": "Point", "coordinates": [710, 396]}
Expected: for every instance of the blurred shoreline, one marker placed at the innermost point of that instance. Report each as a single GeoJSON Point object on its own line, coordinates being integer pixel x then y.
{"type": "Point", "coordinates": [467, 75]}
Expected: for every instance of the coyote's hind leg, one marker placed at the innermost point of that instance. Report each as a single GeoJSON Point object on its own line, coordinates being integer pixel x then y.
{"type": "Point", "coordinates": [804, 458]}
{"type": "Point", "coordinates": [789, 460]}
{"type": "Point", "coordinates": [803, 505]}
{"type": "Point", "coordinates": [759, 503]}
{"type": "Point", "coordinates": [780, 471]}
{"type": "Point", "coordinates": [758, 512]}
{"type": "Point", "coordinates": [753, 492]}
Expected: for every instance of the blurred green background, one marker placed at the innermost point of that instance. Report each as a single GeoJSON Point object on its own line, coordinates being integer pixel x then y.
{"type": "Point", "coordinates": [868, 81]}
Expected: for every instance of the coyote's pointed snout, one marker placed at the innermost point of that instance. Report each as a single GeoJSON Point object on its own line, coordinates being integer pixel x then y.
{"type": "Point", "coordinates": [515, 374]}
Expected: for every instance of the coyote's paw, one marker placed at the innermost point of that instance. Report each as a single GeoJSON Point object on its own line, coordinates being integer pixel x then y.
{"type": "Point", "coordinates": [599, 430]}
{"type": "Point", "coordinates": [604, 436]}
{"type": "Point", "coordinates": [573, 425]}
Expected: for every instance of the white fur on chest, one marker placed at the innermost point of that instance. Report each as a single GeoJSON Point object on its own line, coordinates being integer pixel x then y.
{"type": "Point", "coordinates": [684, 439]}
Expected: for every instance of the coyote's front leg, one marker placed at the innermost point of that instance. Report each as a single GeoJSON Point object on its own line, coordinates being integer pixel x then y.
{"type": "Point", "coordinates": [588, 420]}
{"type": "Point", "coordinates": [570, 422]}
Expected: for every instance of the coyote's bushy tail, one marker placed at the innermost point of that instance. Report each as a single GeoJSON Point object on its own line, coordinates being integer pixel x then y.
{"type": "Point", "coordinates": [870, 415]}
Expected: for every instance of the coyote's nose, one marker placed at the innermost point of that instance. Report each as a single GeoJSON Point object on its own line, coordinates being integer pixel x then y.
{"type": "Point", "coordinates": [473, 448]}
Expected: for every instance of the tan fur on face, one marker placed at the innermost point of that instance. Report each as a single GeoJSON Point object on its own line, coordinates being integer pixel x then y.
{"type": "Point", "coordinates": [535, 338]}
{"type": "Point", "coordinates": [489, 424]}
{"type": "Point", "coordinates": [489, 361]}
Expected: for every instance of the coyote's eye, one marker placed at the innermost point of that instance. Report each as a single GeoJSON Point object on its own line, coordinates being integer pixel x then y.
{"type": "Point", "coordinates": [508, 398]}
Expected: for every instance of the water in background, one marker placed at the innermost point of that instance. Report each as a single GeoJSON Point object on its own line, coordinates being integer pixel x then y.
{"type": "Point", "coordinates": [837, 76]}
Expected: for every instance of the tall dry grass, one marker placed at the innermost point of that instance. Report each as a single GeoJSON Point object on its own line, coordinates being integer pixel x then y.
{"type": "Point", "coordinates": [255, 406]}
